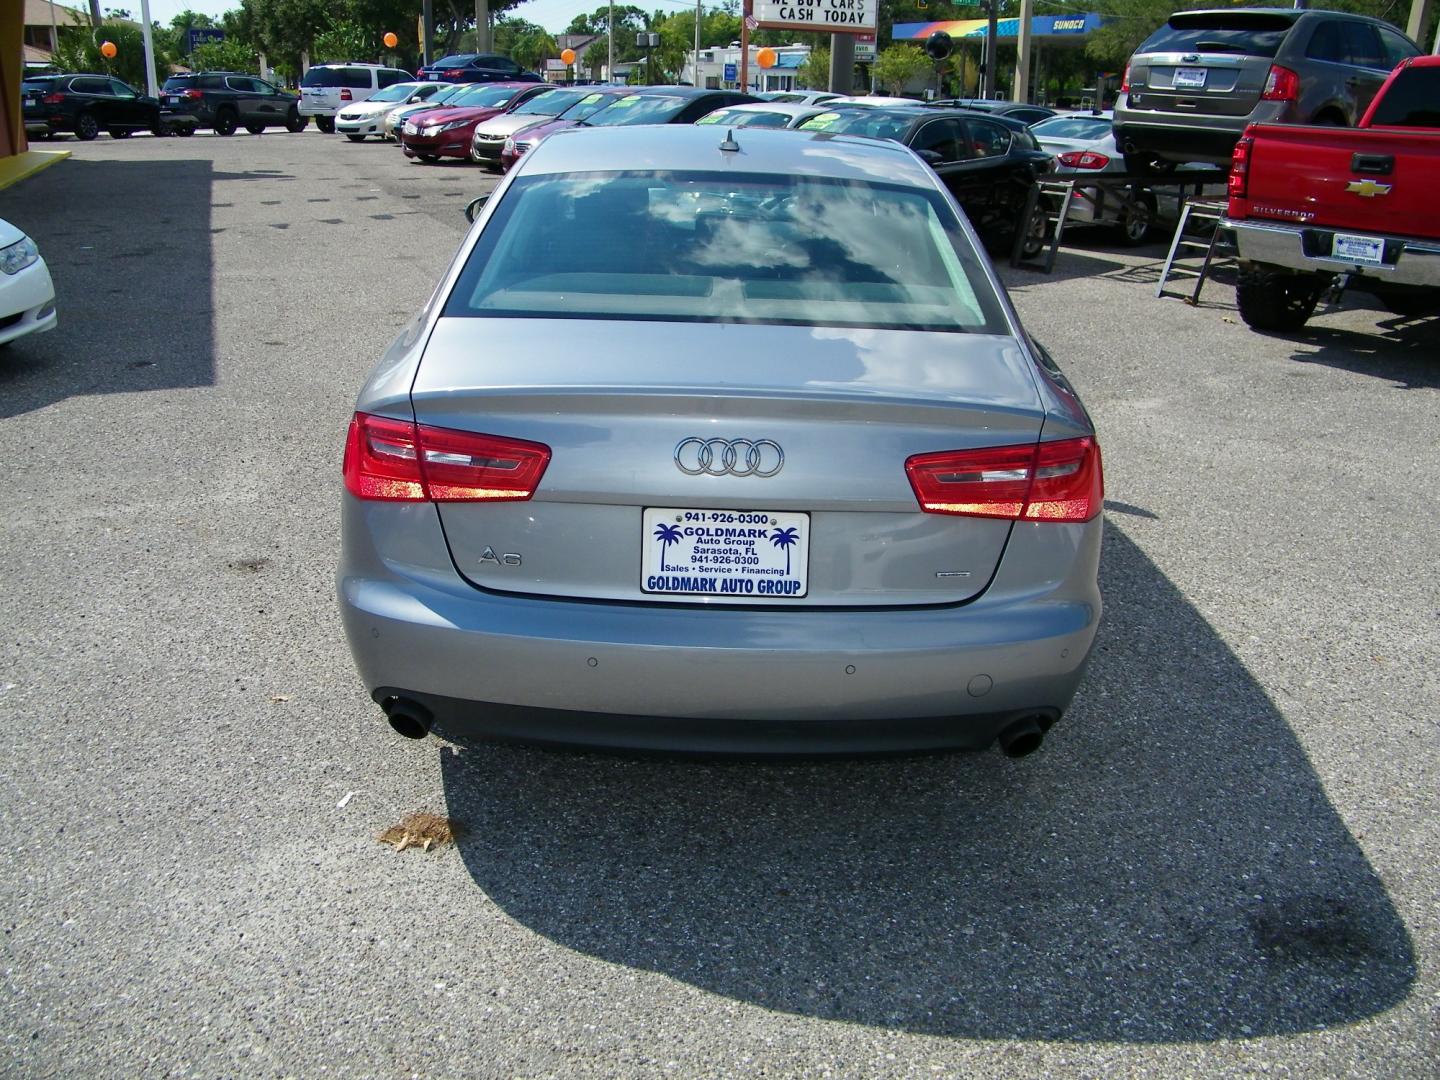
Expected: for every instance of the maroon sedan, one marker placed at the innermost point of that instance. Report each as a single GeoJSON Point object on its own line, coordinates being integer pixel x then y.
{"type": "Point", "coordinates": [531, 134]}
{"type": "Point", "coordinates": [447, 131]}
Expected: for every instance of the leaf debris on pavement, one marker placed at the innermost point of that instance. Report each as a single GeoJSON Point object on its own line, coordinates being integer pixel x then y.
{"type": "Point", "coordinates": [420, 830]}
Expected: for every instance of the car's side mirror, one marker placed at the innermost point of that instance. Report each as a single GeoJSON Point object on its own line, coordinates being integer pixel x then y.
{"type": "Point", "coordinates": [474, 206]}
{"type": "Point", "coordinates": [930, 157]}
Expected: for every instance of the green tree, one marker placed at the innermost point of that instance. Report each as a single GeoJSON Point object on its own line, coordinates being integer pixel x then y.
{"type": "Point", "coordinates": [78, 49]}
{"type": "Point", "coordinates": [346, 40]}
{"type": "Point", "coordinates": [814, 73]}
{"type": "Point", "coordinates": [224, 55]}
{"type": "Point", "coordinates": [898, 65]}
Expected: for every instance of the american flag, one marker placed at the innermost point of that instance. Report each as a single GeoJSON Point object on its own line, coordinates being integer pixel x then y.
{"type": "Point", "coordinates": [751, 23]}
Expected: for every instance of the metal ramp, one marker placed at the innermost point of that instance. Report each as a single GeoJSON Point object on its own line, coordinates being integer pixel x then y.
{"type": "Point", "coordinates": [1183, 247]}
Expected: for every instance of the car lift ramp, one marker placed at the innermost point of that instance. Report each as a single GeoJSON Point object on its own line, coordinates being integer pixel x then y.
{"type": "Point", "coordinates": [1054, 196]}
{"type": "Point", "coordinates": [1212, 210]}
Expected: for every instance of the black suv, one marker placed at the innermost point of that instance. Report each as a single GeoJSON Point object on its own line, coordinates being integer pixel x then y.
{"type": "Point", "coordinates": [86, 105]}
{"type": "Point", "coordinates": [226, 100]}
{"type": "Point", "coordinates": [476, 67]}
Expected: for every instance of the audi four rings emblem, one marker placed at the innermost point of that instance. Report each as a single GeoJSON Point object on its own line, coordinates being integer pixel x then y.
{"type": "Point", "coordinates": [732, 457]}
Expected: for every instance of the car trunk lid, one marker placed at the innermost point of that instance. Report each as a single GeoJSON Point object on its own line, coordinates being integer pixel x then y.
{"type": "Point", "coordinates": [844, 407]}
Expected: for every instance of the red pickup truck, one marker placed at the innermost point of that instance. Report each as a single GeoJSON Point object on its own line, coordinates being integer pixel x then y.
{"type": "Point", "coordinates": [1309, 204]}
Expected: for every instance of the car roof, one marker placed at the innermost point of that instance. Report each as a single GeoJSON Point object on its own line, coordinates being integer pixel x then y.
{"type": "Point", "coordinates": [691, 148]}
{"type": "Point", "coordinates": [1288, 13]}
{"type": "Point", "coordinates": [786, 108]}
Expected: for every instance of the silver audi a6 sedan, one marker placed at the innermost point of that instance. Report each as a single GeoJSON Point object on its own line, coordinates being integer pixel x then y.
{"type": "Point", "coordinates": [721, 440]}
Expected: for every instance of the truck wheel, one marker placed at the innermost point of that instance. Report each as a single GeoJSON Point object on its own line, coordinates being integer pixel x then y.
{"type": "Point", "coordinates": [1271, 299]}
{"type": "Point", "coordinates": [295, 122]}
{"type": "Point", "coordinates": [225, 122]}
{"type": "Point", "coordinates": [326, 124]}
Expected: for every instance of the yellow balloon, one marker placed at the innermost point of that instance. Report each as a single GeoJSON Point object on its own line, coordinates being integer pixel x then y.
{"type": "Point", "coordinates": [766, 58]}
{"type": "Point", "coordinates": [108, 50]}
{"type": "Point", "coordinates": [390, 39]}
{"type": "Point", "coordinates": [568, 56]}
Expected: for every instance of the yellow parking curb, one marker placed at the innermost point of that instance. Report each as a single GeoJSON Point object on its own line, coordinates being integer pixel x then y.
{"type": "Point", "coordinates": [17, 168]}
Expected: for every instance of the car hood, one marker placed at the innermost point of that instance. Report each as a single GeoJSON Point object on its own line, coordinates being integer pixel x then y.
{"type": "Point", "coordinates": [443, 115]}
{"type": "Point", "coordinates": [544, 128]}
{"type": "Point", "coordinates": [9, 234]}
{"type": "Point", "coordinates": [369, 108]}
{"type": "Point", "coordinates": [509, 123]}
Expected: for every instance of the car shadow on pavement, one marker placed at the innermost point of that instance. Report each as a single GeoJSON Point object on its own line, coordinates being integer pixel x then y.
{"type": "Point", "coordinates": [1398, 348]}
{"type": "Point", "coordinates": [129, 247]}
{"type": "Point", "coordinates": [1168, 867]}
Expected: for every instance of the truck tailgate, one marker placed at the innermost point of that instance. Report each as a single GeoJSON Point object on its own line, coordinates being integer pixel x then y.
{"type": "Point", "coordinates": [1375, 180]}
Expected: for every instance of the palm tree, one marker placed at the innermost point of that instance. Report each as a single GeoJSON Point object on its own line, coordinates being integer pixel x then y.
{"type": "Point", "coordinates": [667, 535]}
{"type": "Point", "coordinates": [783, 539]}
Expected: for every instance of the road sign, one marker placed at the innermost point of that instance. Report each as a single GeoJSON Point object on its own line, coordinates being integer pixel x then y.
{"type": "Point", "coordinates": [818, 16]}
{"type": "Point", "coordinates": [732, 73]}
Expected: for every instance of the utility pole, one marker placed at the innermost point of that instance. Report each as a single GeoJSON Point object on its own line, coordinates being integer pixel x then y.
{"type": "Point", "coordinates": [991, 33]}
{"type": "Point", "coordinates": [745, 47]}
{"type": "Point", "coordinates": [842, 63]}
{"type": "Point", "coordinates": [696, 82]}
{"type": "Point", "coordinates": [1419, 16]}
{"type": "Point", "coordinates": [94, 14]}
{"type": "Point", "coordinates": [610, 33]}
{"type": "Point", "coordinates": [482, 26]}
{"type": "Point", "coordinates": [1022, 51]}
{"type": "Point", "coordinates": [427, 15]}
{"type": "Point", "coordinates": [151, 86]}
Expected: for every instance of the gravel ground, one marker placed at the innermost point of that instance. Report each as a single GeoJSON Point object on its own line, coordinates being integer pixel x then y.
{"type": "Point", "coordinates": [1221, 863]}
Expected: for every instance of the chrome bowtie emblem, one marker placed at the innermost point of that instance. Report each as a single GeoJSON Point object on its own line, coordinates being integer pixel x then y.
{"type": "Point", "coordinates": [732, 457]}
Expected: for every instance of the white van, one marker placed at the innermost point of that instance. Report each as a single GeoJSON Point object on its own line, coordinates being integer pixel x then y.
{"type": "Point", "coordinates": [326, 88]}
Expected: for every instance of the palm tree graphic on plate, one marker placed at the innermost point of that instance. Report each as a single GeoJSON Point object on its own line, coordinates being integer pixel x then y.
{"type": "Point", "coordinates": [785, 539]}
{"type": "Point", "coordinates": [667, 535]}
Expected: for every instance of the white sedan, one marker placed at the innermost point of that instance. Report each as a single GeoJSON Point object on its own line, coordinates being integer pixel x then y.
{"type": "Point", "coordinates": [368, 117]}
{"type": "Point", "coordinates": [27, 295]}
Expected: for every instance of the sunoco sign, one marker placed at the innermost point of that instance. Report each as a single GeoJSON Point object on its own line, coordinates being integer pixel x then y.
{"type": "Point", "coordinates": [818, 16]}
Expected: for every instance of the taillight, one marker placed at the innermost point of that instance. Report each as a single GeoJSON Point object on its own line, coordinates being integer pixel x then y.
{"type": "Point", "coordinates": [1125, 81]}
{"type": "Point", "coordinates": [1239, 183]}
{"type": "Point", "coordinates": [53, 99]}
{"type": "Point", "coordinates": [345, 94]}
{"type": "Point", "coordinates": [1054, 481]}
{"type": "Point", "coordinates": [1084, 159]}
{"type": "Point", "coordinates": [400, 461]}
{"type": "Point", "coordinates": [454, 73]}
{"type": "Point", "coordinates": [193, 95]}
{"type": "Point", "coordinates": [1281, 84]}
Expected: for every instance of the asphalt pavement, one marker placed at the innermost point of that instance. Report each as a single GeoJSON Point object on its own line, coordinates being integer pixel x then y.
{"type": "Point", "coordinates": [1221, 863]}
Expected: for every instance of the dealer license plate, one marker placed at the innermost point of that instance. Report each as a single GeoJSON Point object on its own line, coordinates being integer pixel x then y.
{"type": "Point", "coordinates": [1363, 250]}
{"type": "Point", "coordinates": [756, 554]}
{"type": "Point", "coordinates": [1189, 79]}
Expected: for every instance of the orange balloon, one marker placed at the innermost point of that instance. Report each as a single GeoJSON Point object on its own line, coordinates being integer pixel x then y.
{"type": "Point", "coordinates": [108, 50]}
{"type": "Point", "coordinates": [568, 56]}
{"type": "Point", "coordinates": [390, 39]}
{"type": "Point", "coordinates": [766, 58]}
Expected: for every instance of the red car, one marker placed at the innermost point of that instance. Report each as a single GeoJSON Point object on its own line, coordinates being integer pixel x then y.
{"type": "Point", "coordinates": [447, 131]}
{"type": "Point", "coordinates": [531, 134]}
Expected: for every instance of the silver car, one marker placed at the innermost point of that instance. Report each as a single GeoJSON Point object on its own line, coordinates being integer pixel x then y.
{"type": "Point", "coordinates": [718, 440]}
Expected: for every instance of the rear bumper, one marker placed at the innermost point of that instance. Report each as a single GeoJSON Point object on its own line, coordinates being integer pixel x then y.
{"type": "Point", "coordinates": [1306, 248]}
{"type": "Point", "coordinates": [1187, 138]}
{"type": "Point", "coordinates": [711, 678]}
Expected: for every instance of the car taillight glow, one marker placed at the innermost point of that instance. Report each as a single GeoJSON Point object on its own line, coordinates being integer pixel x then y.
{"type": "Point", "coordinates": [1239, 182]}
{"type": "Point", "coordinates": [345, 94]}
{"type": "Point", "coordinates": [1051, 481]}
{"type": "Point", "coordinates": [454, 73]}
{"type": "Point", "coordinates": [1125, 81]}
{"type": "Point", "coordinates": [397, 460]}
{"type": "Point", "coordinates": [1281, 84]}
{"type": "Point", "coordinates": [193, 95]}
{"type": "Point", "coordinates": [1084, 159]}
{"type": "Point", "coordinates": [53, 99]}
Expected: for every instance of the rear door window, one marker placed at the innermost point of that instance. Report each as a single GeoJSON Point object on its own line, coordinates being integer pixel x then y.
{"type": "Point", "coordinates": [1327, 44]}
{"type": "Point", "coordinates": [245, 86]}
{"type": "Point", "coordinates": [91, 86]}
{"type": "Point", "coordinates": [1363, 45]}
{"type": "Point", "coordinates": [988, 140]}
{"type": "Point", "coordinates": [120, 90]}
{"type": "Point", "coordinates": [943, 137]}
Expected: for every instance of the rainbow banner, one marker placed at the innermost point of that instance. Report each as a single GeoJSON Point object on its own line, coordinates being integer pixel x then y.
{"type": "Point", "coordinates": [1005, 29]}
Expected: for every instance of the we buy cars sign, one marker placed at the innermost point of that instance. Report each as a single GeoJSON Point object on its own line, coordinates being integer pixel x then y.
{"type": "Point", "coordinates": [820, 16]}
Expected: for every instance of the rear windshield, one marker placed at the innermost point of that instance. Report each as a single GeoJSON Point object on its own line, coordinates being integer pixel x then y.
{"type": "Point", "coordinates": [1413, 100]}
{"type": "Point", "coordinates": [354, 78]}
{"type": "Point", "coordinates": [44, 83]}
{"type": "Point", "coordinates": [457, 60]}
{"type": "Point", "coordinates": [178, 82]}
{"type": "Point", "coordinates": [639, 109]}
{"type": "Point", "coordinates": [870, 123]}
{"type": "Point", "coordinates": [587, 106]}
{"type": "Point", "coordinates": [717, 247]}
{"type": "Point", "coordinates": [1072, 127]}
{"type": "Point", "coordinates": [1244, 33]}
{"type": "Point", "coordinates": [550, 103]}
{"type": "Point", "coordinates": [746, 118]}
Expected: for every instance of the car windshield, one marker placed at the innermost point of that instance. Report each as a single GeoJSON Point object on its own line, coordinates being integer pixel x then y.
{"type": "Point", "coordinates": [1072, 127]}
{"type": "Point", "coordinates": [746, 118]}
{"type": "Point", "coordinates": [397, 92]}
{"type": "Point", "coordinates": [639, 109]}
{"type": "Point", "coordinates": [1413, 100]}
{"type": "Point", "coordinates": [1246, 32]}
{"type": "Point", "coordinates": [482, 95]}
{"type": "Point", "coordinates": [871, 123]}
{"type": "Point", "coordinates": [719, 247]}
{"type": "Point", "coordinates": [587, 106]}
{"type": "Point", "coordinates": [550, 103]}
